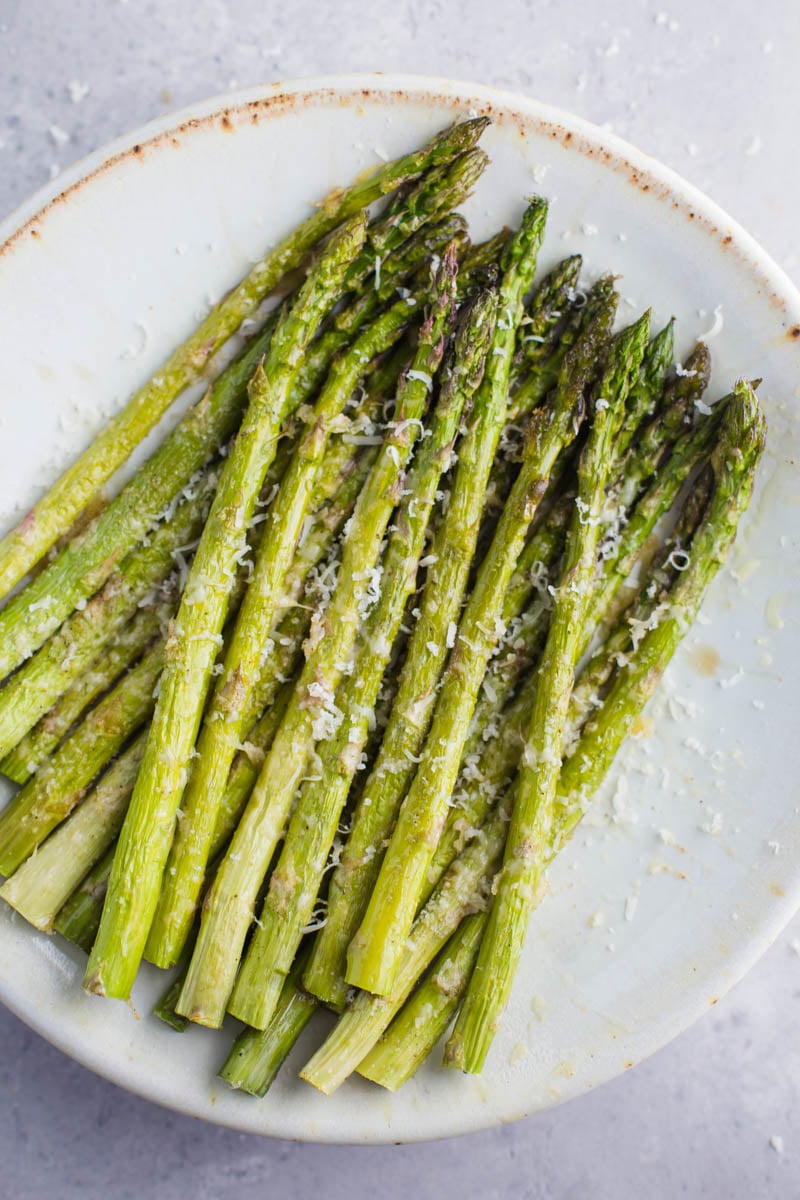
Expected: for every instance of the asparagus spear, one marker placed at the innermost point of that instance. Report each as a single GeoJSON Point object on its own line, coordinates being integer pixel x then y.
{"type": "Point", "coordinates": [480, 255]}
{"type": "Point", "coordinates": [295, 882]}
{"type": "Point", "coordinates": [647, 390]}
{"type": "Point", "coordinates": [588, 325]}
{"type": "Point", "coordinates": [428, 1011]}
{"type": "Point", "coordinates": [256, 1056]}
{"type": "Point", "coordinates": [618, 554]}
{"type": "Point", "coordinates": [733, 461]}
{"type": "Point", "coordinates": [229, 712]}
{"type": "Point", "coordinates": [63, 659]}
{"type": "Point", "coordinates": [374, 952]}
{"type": "Point", "coordinates": [532, 815]}
{"type": "Point", "coordinates": [79, 919]}
{"type": "Point", "coordinates": [368, 1016]}
{"type": "Point", "coordinates": [55, 512]}
{"type": "Point", "coordinates": [191, 647]}
{"type": "Point", "coordinates": [461, 892]}
{"type": "Point", "coordinates": [60, 784]}
{"type": "Point", "coordinates": [453, 550]}
{"type": "Point", "coordinates": [407, 265]}
{"type": "Point", "coordinates": [437, 192]}
{"type": "Point", "coordinates": [676, 411]}
{"type": "Point", "coordinates": [21, 762]}
{"type": "Point", "coordinates": [28, 619]}
{"type": "Point", "coordinates": [398, 245]}
{"type": "Point", "coordinates": [164, 1007]}
{"type": "Point", "coordinates": [549, 305]}
{"type": "Point", "coordinates": [336, 490]}
{"type": "Point", "coordinates": [240, 783]}
{"type": "Point", "coordinates": [543, 375]}
{"type": "Point", "coordinates": [41, 886]}
{"type": "Point", "coordinates": [228, 907]}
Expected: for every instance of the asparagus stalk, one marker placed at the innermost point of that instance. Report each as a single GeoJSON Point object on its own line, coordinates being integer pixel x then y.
{"type": "Point", "coordinates": [549, 305]}
{"type": "Point", "coordinates": [426, 203]}
{"type": "Point", "coordinates": [617, 557]}
{"type": "Point", "coordinates": [489, 762]}
{"type": "Point", "coordinates": [325, 975]}
{"type": "Point", "coordinates": [148, 624]}
{"type": "Point", "coordinates": [374, 952]}
{"type": "Point", "coordinates": [590, 325]}
{"type": "Point", "coordinates": [62, 660]}
{"type": "Point", "coordinates": [61, 783]}
{"type": "Point", "coordinates": [398, 245]}
{"type": "Point", "coordinates": [256, 1056]}
{"type": "Point", "coordinates": [618, 552]}
{"type": "Point", "coordinates": [641, 612]}
{"type": "Point", "coordinates": [79, 919]}
{"type": "Point", "coordinates": [675, 412]}
{"type": "Point", "coordinates": [55, 512]}
{"type": "Point", "coordinates": [733, 461]}
{"type": "Point", "coordinates": [428, 1011]}
{"type": "Point", "coordinates": [193, 642]}
{"type": "Point", "coordinates": [435, 193]}
{"type": "Point", "coordinates": [228, 907]}
{"type": "Point", "coordinates": [617, 560]}
{"type": "Point", "coordinates": [480, 255]}
{"type": "Point", "coordinates": [407, 265]}
{"type": "Point", "coordinates": [230, 709]}
{"type": "Point", "coordinates": [454, 546]}
{"type": "Point", "coordinates": [532, 815]}
{"type": "Point", "coordinates": [648, 388]}
{"type": "Point", "coordinates": [543, 375]}
{"type": "Point", "coordinates": [460, 893]}
{"type": "Point", "coordinates": [164, 1007]}
{"type": "Point", "coordinates": [28, 619]}
{"type": "Point", "coordinates": [404, 265]}
{"type": "Point", "coordinates": [295, 882]}
{"type": "Point", "coordinates": [41, 886]}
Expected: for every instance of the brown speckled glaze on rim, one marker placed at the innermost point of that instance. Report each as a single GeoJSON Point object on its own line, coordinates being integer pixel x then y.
{"type": "Point", "coordinates": [451, 99]}
{"type": "Point", "coordinates": [504, 108]}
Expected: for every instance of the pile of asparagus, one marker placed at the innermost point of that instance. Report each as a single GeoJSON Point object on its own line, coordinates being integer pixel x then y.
{"type": "Point", "coordinates": [309, 706]}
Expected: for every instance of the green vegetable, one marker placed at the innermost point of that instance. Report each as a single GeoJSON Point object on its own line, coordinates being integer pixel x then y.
{"type": "Point", "coordinates": [453, 549]}
{"type": "Point", "coordinates": [229, 905]}
{"type": "Point", "coordinates": [295, 882]}
{"type": "Point", "coordinates": [55, 512]}
{"type": "Point", "coordinates": [195, 634]}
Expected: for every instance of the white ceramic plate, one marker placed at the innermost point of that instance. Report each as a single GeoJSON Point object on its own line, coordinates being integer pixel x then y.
{"type": "Point", "coordinates": [688, 868]}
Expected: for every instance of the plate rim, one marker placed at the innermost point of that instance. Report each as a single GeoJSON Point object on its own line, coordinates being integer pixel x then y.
{"type": "Point", "coordinates": [455, 94]}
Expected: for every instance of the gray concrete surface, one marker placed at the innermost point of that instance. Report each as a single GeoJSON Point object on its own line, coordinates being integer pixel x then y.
{"type": "Point", "coordinates": [713, 91]}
